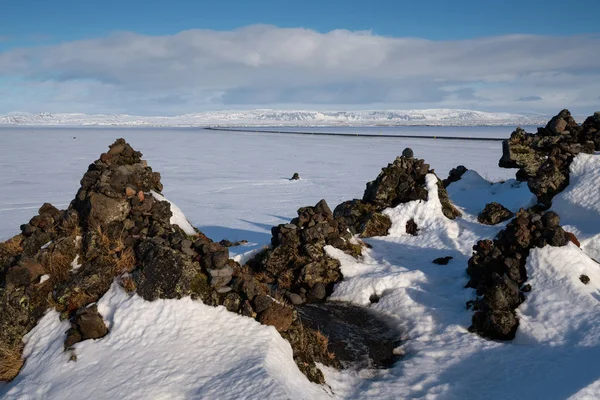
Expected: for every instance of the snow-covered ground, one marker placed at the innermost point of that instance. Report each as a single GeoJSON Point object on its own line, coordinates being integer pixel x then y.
{"type": "Point", "coordinates": [441, 117]}
{"type": "Point", "coordinates": [235, 185]}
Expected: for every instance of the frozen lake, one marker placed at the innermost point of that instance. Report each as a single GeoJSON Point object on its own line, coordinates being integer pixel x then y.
{"type": "Point", "coordinates": [229, 184]}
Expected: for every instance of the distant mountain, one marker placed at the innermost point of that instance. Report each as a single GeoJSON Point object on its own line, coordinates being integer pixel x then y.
{"type": "Point", "coordinates": [440, 117]}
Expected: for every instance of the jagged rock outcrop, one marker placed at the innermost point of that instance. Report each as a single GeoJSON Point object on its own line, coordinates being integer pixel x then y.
{"type": "Point", "coordinates": [497, 270]}
{"type": "Point", "coordinates": [544, 158]}
{"type": "Point", "coordinates": [400, 182]}
{"type": "Point", "coordinates": [494, 213]}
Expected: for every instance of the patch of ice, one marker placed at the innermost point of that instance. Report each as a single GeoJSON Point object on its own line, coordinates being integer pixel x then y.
{"type": "Point", "coordinates": [178, 218]}
{"type": "Point", "coordinates": [46, 245]}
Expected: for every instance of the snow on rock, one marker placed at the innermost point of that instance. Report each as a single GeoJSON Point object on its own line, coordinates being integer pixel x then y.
{"type": "Point", "coordinates": [178, 217]}
{"type": "Point", "coordinates": [472, 192]}
{"type": "Point", "coordinates": [165, 349]}
{"type": "Point", "coordinates": [427, 214]}
{"type": "Point", "coordinates": [579, 204]}
{"type": "Point", "coordinates": [556, 353]}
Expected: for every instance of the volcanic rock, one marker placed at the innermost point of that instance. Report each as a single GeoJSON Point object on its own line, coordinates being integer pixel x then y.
{"type": "Point", "coordinates": [497, 270]}
{"type": "Point", "coordinates": [544, 158]}
{"type": "Point", "coordinates": [493, 214]}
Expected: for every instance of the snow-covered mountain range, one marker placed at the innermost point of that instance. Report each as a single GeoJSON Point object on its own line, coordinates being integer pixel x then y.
{"type": "Point", "coordinates": [439, 117]}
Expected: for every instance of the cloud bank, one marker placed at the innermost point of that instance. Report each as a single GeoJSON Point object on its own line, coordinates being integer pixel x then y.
{"type": "Point", "coordinates": [271, 67]}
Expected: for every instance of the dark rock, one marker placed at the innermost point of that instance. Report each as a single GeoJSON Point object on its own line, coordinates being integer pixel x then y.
{"type": "Point", "coordinates": [374, 298]}
{"type": "Point", "coordinates": [408, 153]}
{"type": "Point", "coordinates": [455, 175]}
{"type": "Point", "coordinates": [318, 292]}
{"type": "Point", "coordinates": [584, 279]}
{"type": "Point", "coordinates": [277, 315]}
{"type": "Point", "coordinates": [411, 227]}
{"type": "Point", "coordinates": [442, 260]}
{"type": "Point", "coordinates": [544, 158]}
{"type": "Point", "coordinates": [261, 303]}
{"type": "Point", "coordinates": [497, 270]}
{"type": "Point", "coordinates": [526, 288]}
{"type": "Point", "coordinates": [551, 219]}
{"type": "Point", "coordinates": [375, 224]}
{"type": "Point", "coordinates": [90, 323]}
{"type": "Point", "coordinates": [295, 177]}
{"type": "Point", "coordinates": [493, 214]}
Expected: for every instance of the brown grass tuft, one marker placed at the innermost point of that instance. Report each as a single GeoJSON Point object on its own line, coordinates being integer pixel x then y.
{"type": "Point", "coordinates": [58, 266]}
{"type": "Point", "coordinates": [127, 283]}
{"type": "Point", "coordinates": [10, 361]}
{"type": "Point", "coordinates": [78, 300]}
{"type": "Point", "coordinates": [125, 261]}
{"type": "Point", "coordinates": [12, 246]}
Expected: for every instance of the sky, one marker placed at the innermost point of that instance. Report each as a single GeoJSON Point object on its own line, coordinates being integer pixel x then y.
{"type": "Point", "coordinates": [166, 58]}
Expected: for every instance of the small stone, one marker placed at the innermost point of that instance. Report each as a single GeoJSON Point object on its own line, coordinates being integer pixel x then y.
{"type": "Point", "coordinates": [116, 149]}
{"type": "Point", "coordinates": [261, 303]}
{"type": "Point", "coordinates": [442, 260]}
{"type": "Point", "coordinates": [129, 191]}
{"type": "Point", "coordinates": [140, 196]}
{"type": "Point", "coordinates": [296, 299]}
{"type": "Point", "coordinates": [90, 323]}
{"type": "Point", "coordinates": [317, 292]}
{"type": "Point", "coordinates": [585, 279]}
{"type": "Point", "coordinates": [526, 288]}
{"type": "Point", "coordinates": [295, 177]}
{"type": "Point", "coordinates": [374, 298]}
{"type": "Point", "coordinates": [407, 153]}
{"type": "Point", "coordinates": [572, 238]}
{"type": "Point", "coordinates": [224, 289]}
{"type": "Point", "coordinates": [226, 271]}
{"type": "Point", "coordinates": [411, 227]}
{"type": "Point", "coordinates": [551, 219]}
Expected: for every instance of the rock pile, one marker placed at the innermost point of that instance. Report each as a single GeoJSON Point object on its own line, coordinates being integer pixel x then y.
{"type": "Point", "coordinates": [544, 158]}
{"type": "Point", "coordinates": [119, 227]}
{"type": "Point", "coordinates": [497, 270]}
{"type": "Point", "coordinates": [400, 182]}
{"type": "Point", "coordinates": [297, 265]}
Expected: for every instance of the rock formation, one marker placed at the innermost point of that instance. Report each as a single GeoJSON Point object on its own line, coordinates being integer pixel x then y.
{"type": "Point", "coordinates": [400, 182]}
{"type": "Point", "coordinates": [119, 227]}
{"type": "Point", "coordinates": [544, 158]}
{"type": "Point", "coordinates": [497, 270]}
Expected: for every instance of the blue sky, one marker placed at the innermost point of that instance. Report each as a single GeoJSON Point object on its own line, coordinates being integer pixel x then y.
{"type": "Point", "coordinates": [54, 55]}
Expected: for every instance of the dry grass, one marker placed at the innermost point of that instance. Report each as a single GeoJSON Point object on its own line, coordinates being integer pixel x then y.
{"type": "Point", "coordinates": [127, 283]}
{"type": "Point", "coordinates": [10, 362]}
{"type": "Point", "coordinates": [58, 266]}
{"type": "Point", "coordinates": [323, 342]}
{"type": "Point", "coordinates": [12, 246]}
{"type": "Point", "coordinates": [78, 300]}
{"type": "Point", "coordinates": [125, 261]}
{"type": "Point", "coordinates": [71, 226]}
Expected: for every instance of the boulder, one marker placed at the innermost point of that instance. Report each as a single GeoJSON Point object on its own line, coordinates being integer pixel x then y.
{"type": "Point", "coordinates": [494, 213]}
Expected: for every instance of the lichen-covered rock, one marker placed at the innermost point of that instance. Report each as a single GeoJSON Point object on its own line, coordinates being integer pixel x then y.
{"type": "Point", "coordinates": [544, 158]}
{"type": "Point", "coordinates": [494, 213]}
{"type": "Point", "coordinates": [497, 270]}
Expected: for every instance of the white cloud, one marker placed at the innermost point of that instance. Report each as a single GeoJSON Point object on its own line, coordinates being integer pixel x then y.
{"type": "Point", "coordinates": [267, 66]}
